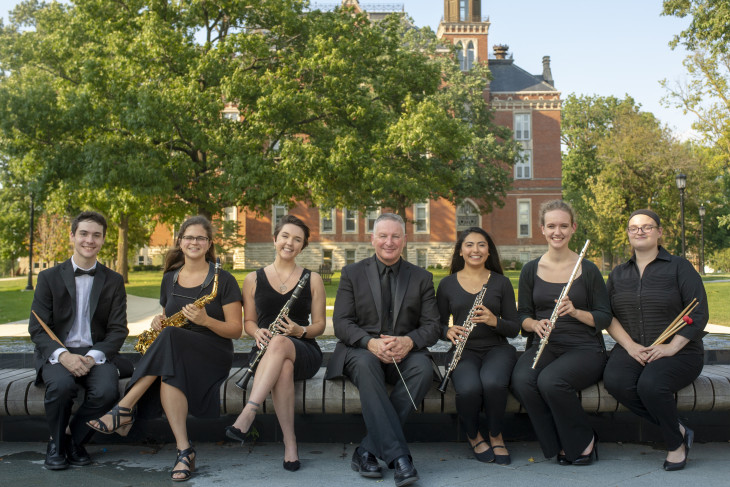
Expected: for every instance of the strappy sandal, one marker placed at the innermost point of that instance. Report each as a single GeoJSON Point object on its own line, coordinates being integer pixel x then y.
{"type": "Point", "coordinates": [184, 458]}
{"type": "Point", "coordinates": [501, 459]}
{"type": "Point", "coordinates": [117, 413]}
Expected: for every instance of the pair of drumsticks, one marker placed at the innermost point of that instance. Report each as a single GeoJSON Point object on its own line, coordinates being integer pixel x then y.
{"type": "Point", "coordinates": [679, 322]}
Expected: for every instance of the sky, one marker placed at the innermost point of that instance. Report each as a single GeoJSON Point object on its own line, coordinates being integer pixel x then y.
{"type": "Point", "coordinates": [596, 47]}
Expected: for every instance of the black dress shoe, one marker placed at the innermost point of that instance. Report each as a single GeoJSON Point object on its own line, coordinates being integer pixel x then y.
{"type": "Point", "coordinates": [236, 434]}
{"type": "Point", "coordinates": [292, 466]}
{"type": "Point", "coordinates": [365, 462]}
{"type": "Point", "coordinates": [55, 459]}
{"type": "Point", "coordinates": [76, 454]}
{"type": "Point", "coordinates": [405, 472]}
{"type": "Point", "coordinates": [583, 460]}
{"type": "Point", "coordinates": [689, 438]}
{"type": "Point", "coordinates": [563, 460]}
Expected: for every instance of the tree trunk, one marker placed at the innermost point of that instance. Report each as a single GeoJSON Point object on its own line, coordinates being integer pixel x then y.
{"type": "Point", "coordinates": [123, 247]}
{"type": "Point", "coordinates": [401, 211]}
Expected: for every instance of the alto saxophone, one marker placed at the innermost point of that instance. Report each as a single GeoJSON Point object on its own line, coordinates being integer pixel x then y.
{"type": "Point", "coordinates": [554, 316]}
{"type": "Point", "coordinates": [274, 330]}
{"type": "Point", "coordinates": [147, 337]}
{"type": "Point", "coordinates": [469, 325]}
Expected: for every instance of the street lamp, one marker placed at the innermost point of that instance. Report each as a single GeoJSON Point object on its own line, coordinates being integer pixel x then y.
{"type": "Point", "coordinates": [681, 181]}
{"type": "Point", "coordinates": [702, 239]}
{"type": "Point", "coordinates": [29, 287]}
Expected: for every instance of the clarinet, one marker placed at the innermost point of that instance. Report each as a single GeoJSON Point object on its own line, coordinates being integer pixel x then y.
{"type": "Point", "coordinates": [554, 316]}
{"type": "Point", "coordinates": [274, 330]}
{"type": "Point", "coordinates": [469, 325]}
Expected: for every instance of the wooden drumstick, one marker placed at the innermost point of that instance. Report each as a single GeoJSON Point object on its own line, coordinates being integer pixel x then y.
{"type": "Point", "coordinates": [48, 330]}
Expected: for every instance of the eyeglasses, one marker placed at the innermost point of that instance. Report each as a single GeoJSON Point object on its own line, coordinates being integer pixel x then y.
{"type": "Point", "coordinates": [193, 238]}
{"type": "Point", "coordinates": [643, 228]}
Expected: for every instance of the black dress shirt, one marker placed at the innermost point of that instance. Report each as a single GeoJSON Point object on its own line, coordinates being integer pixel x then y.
{"type": "Point", "coordinates": [646, 305]}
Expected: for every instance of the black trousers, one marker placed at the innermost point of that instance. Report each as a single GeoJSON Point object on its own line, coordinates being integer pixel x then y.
{"type": "Point", "coordinates": [385, 415]}
{"type": "Point", "coordinates": [102, 391]}
{"type": "Point", "coordinates": [549, 393]}
{"type": "Point", "coordinates": [481, 379]}
{"type": "Point", "coordinates": [648, 390]}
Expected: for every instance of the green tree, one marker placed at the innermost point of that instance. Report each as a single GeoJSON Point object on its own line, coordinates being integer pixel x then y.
{"type": "Point", "coordinates": [710, 24]}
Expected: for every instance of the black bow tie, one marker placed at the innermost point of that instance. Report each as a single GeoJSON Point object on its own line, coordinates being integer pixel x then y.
{"type": "Point", "coordinates": [80, 272]}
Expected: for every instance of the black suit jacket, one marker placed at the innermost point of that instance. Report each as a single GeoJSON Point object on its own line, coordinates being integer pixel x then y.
{"type": "Point", "coordinates": [358, 308]}
{"type": "Point", "coordinates": [55, 302]}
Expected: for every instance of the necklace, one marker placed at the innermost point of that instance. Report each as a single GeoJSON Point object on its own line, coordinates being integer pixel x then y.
{"type": "Point", "coordinates": [283, 286]}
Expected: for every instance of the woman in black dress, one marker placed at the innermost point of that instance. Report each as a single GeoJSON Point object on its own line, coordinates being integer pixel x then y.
{"type": "Point", "coordinates": [293, 354]}
{"type": "Point", "coordinates": [647, 293]}
{"type": "Point", "coordinates": [184, 367]}
{"type": "Point", "coordinates": [483, 373]}
{"type": "Point", "coordinates": [575, 355]}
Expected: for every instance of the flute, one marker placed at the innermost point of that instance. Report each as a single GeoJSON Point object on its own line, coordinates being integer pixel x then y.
{"type": "Point", "coordinates": [554, 316]}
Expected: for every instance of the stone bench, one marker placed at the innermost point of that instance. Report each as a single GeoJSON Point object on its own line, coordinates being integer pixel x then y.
{"type": "Point", "coordinates": [709, 392]}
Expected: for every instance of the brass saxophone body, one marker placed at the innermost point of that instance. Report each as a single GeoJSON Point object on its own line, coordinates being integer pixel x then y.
{"type": "Point", "coordinates": [469, 325]}
{"type": "Point", "coordinates": [147, 337]}
{"type": "Point", "coordinates": [274, 330]}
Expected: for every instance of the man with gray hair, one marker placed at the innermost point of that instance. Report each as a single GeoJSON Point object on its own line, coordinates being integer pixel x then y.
{"type": "Point", "coordinates": [385, 314]}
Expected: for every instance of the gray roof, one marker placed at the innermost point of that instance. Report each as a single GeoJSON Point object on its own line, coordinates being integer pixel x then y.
{"type": "Point", "coordinates": [511, 78]}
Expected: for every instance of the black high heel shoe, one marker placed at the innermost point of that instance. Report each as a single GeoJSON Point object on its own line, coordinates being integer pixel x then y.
{"type": "Point", "coordinates": [293, 466]}
{"type": "Point", "coordinates": [236, 434]}
{"type": "Point", "coordinates": [117, 413]}
{"type": "Point", "coordinates": [563, 460]}
{"type": "Point", "coordinates": [583, 460]}
{"type": "Point", "coordinates": [689, 439]}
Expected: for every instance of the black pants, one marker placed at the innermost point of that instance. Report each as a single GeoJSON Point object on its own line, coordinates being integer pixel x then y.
{"type": "Point", "coordinates": [648, 390]}
{"type": "Point", "coordinates": [549, 393]}
{"type": "Point", "coordinates": [482, 380]}
{"type": "Point", "coordinates": [385, 415]}
{"type": "Point", "coordinates": [102, 391]}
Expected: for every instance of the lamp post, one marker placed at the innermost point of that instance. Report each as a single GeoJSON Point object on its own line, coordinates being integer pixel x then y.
{"type": "Point", "coordinates": [29, 287]}
{"type": "Point", "coordinates": [681, 181]}
{"type": "Point", "coordinates": [702, 239]}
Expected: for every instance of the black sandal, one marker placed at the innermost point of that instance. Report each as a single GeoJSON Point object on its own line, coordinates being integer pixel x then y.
{"type": "Point", "coordinates": [184, 458]}
{"type": "Point", "coordinates": [501, 459]}
{"type": "Point", "coordinates": [487, 456]}
{"type": "Point", "coordinates": [117, 413]}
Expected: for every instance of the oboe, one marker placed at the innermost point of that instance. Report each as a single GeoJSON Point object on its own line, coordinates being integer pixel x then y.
{"type": "Point", "coordinates": [469, 325]}
{"type": "Point", "coordinates": [274, 330]}
{"type": "Point", "coordinates": [554, 316]}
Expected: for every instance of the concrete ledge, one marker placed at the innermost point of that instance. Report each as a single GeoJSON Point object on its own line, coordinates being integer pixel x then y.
{"type": "Point", "coordinates": [710, 392]}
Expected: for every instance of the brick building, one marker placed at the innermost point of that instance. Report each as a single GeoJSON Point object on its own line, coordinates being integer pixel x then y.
{"type": "Point", "coordinates": [526, 103]}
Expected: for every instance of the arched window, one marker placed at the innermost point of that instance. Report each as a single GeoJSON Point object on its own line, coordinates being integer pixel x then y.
{"type": "Point", "coordinates": [460, 56]}
{"type": "Point", "coordinates": [467, 216]}
{"type": "Point", "coordinates": [463, 4]}
{"type": "Point", "coordinates": [469, 56]}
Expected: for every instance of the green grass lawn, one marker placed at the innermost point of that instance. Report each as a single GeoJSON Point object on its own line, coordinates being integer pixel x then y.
{"type": "Point", "coordinates": [15, 303]}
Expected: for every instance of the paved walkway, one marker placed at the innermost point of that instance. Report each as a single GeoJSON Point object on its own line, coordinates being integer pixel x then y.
{"type": "Point", "coordinates": [328, 464]}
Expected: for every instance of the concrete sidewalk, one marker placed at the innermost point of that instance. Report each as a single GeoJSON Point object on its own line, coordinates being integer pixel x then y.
{"type": "Point", "coordinates": [328, 464]}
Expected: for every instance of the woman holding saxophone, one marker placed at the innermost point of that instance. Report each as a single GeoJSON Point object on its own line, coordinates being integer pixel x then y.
{"type": "Point", "coordinates": [185, 366]}
{"type": "Point", "coordinates": [482, 373]}
{"type": "Point", "coordinates": [291, 352]}
{"type": "Point", "coordinates": [575, 356]}
{"type": "Point", "coordinates": [647, 292]}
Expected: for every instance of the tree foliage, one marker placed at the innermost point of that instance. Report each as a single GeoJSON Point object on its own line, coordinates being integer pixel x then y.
{"type": "Point", "coordinates": [709, 25]}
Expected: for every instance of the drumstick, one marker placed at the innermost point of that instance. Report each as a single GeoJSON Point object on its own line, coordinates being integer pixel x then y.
{"type": "Point", "coordinates": [48, 330]}
{"type": "Point", "coordinates": [675, 325]}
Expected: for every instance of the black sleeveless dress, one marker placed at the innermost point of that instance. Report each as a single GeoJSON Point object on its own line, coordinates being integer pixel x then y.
{"type": "Point", "coordinates": [268, 304]}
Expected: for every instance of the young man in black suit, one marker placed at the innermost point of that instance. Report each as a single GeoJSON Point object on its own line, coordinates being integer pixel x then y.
{"type": "Point", "coordinates": [85, 306]}
{"type": "Point", "coordinates": [385, 311]}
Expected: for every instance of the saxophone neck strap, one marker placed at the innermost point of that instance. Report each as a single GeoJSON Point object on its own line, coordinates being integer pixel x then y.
{"type": "Point", "coordinates": [208, 279]}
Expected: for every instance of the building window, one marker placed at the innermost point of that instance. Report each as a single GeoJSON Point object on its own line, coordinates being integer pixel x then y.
{"type": "Point", "coordinates": [349, 256]}
{"type": "Point", "coordinates": [460, 56]}
{"type": "Point", "coordinates": [370, 220]}
{"type": "Point", "coordinates": [327, 221]}
{"type": "Point", "coordinates": [467, 216]}
{"type": "Point", "coordinates": [422, 258]}
{"type": "Point", "coordinates": [463, 4]}
{"type": "Point", "coordinates": [420, 217]}
{"type": "Point", "coordinates": [349, 221]}
{"type": "Point", "coordinates": [469, 56]}
{"type": "Point", "coordinates": [522, 126]}
{"type": "Point", "coordinates": [327, 258]}
{"type": "Point", "coordinates": [231, 113]}
{"type": "Point", "coordinates": [523, 166]}
{"type": "Point", "coordinates": [523, 218]}
{"type": "Point", "coordinates": [230, 214]}
{"type": "Point", "coordinates": [277, 214]}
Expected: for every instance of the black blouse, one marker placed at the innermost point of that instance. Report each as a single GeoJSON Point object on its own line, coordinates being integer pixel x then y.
{"type": "Point", "coordinates": [645, 305]}
{"type": "Point", "coordinates": [454, 301]}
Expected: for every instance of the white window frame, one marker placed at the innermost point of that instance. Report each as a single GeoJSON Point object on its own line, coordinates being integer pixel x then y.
{"type": "Point", "coordinates": [230, 214]}
{"type": "Point", "coordinates": [427, 225]}
{"type": "Point", "coordinates": [274, 218]}
{"type": "Point", "coordinates": [463, 10]}
{"type": "Point", "coordinates": [348, 214]}
{"type": "Point", "coordinates": [476, 209]}
{"type": "Point", "coordinates": [371, 216]}
{"type": "Point", "coordinates": [332, 217]}
{"type": "Point", "coordinates": [354, 256]}
{"type": "Point", "coordinates": [523, 166]}
{"type": "Point", "coordinates": [521, 203]}
{"type": "Point", "coordinates": [522, 126]}
{"type": "Point", "coordinates": [470, 55]}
